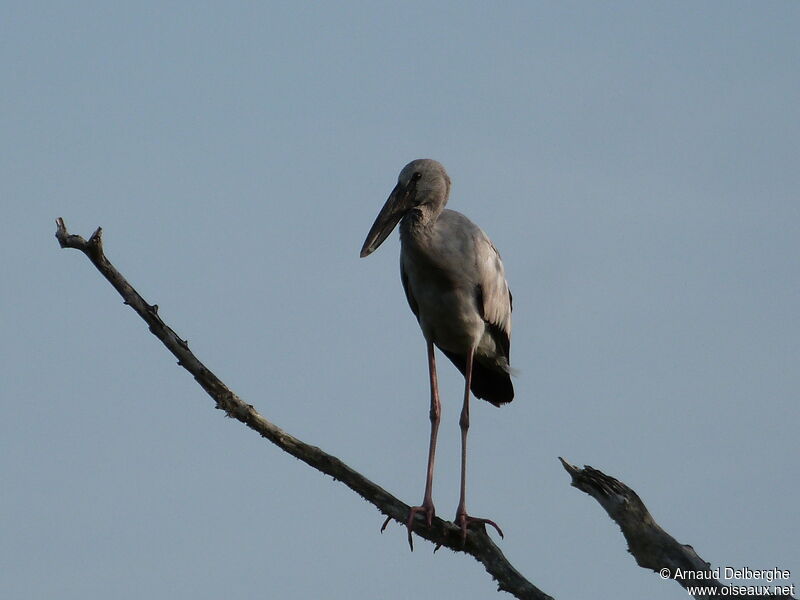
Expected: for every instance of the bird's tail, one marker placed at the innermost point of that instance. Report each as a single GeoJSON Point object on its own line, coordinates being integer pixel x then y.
{"type": "Point", "coordinates": [488, 383]}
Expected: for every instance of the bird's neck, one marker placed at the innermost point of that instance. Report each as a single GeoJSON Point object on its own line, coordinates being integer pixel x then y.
{"type": "Point", "coordinates": [419, 221]}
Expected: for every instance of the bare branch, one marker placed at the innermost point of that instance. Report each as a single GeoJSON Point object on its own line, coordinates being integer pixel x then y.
{"type": "Point", "coordinates": [442, 533]}
{"type": "Point", "coordinates": [651, 546]}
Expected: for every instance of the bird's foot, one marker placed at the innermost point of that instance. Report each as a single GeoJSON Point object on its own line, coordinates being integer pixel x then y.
{"type": "Point", "coordinates": [463, 520]}
{"type": "Point", "coordinates": [427, 511]}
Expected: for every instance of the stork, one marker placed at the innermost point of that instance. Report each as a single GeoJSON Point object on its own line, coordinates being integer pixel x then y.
{"type": "Point", "coordinates": [455, 285]}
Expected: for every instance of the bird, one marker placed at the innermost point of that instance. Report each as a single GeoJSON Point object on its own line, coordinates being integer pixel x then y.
{"type": "Point", "coordinates": [455, 284]}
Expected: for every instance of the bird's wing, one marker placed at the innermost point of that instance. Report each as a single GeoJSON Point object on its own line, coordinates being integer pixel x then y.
{"type": "Point", "coordinates": [494, 297]}
{"type": "Point", "coordinates": [407, 289]}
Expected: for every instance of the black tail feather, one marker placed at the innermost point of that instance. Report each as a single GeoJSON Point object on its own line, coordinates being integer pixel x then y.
{"type": "Point", "coordinates": [487, 384]}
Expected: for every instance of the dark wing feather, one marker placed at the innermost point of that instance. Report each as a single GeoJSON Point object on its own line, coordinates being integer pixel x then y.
{"type": "Point", "coordinates": [487, 384]}
{"type": "Point", "coordinates": [497, 329]}
{"type": "Point", "coordinates": [407, 289]}
{"type": "Point", "coordinates": [495, 301]}
{"type": "Point", "coordinates": [490, 380]}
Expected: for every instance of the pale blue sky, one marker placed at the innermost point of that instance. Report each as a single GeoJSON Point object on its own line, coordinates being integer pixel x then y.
{"type": "Point", "coordinates": [636, 163]}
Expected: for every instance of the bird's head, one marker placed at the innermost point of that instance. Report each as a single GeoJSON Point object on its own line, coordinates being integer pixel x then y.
{"type": "Point", "coordinates": [423, 185]}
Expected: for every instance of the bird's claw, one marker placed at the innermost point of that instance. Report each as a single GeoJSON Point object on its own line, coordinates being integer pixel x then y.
{"type": "Point", "coordinates": [463, 520]}
{"type": "Point", "coordinates": [427, 510]}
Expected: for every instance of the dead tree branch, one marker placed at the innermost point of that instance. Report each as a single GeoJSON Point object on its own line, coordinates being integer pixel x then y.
{"type": "Point", "coordinates": [651, 546]}
{"type": "Point", "coordinates": [442, 533]}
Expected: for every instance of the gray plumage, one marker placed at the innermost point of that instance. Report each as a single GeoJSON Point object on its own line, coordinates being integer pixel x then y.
{"type": "Point", "coordinates": [452, 275]}
{"type": "Point", "coordinates": [455, 284]}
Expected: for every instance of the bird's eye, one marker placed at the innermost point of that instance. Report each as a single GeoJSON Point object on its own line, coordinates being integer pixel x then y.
{"type": "Point", "coordinates": [416, 176]}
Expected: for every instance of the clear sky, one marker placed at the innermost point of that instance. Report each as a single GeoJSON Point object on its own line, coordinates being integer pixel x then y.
{"type": "Point", "coordinates": [637, 165]}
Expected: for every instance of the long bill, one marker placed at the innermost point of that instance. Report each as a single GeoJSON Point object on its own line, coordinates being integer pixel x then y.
{"type": "Point", "coordinates": [386, 221]}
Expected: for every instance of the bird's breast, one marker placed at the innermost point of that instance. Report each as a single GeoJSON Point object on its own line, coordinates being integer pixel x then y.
{"type": "Point", "coordinates": [445, 298]}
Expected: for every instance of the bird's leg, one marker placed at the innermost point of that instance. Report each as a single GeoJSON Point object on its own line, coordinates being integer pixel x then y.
{"type": "Point", "coordinates": [426, 508]}
{"type": "Point", "coordinates": [463, 520]}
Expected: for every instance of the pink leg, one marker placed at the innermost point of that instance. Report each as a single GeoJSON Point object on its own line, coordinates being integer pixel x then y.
{"type": "Point", "coordinates": [463, 520]}
{"type": "Point", "coordinates": [426, 508]}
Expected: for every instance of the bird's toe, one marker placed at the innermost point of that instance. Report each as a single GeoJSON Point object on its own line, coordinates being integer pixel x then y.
{"type": "Point", "coordinates": [464, 521]}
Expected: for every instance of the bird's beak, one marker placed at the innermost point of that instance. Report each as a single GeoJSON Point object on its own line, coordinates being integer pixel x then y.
{"type": "Point", "coordinates": [391, 213]}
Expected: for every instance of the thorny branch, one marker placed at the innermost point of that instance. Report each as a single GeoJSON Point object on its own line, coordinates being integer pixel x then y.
{"type": "Point", "coordinates": [651, 546]}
